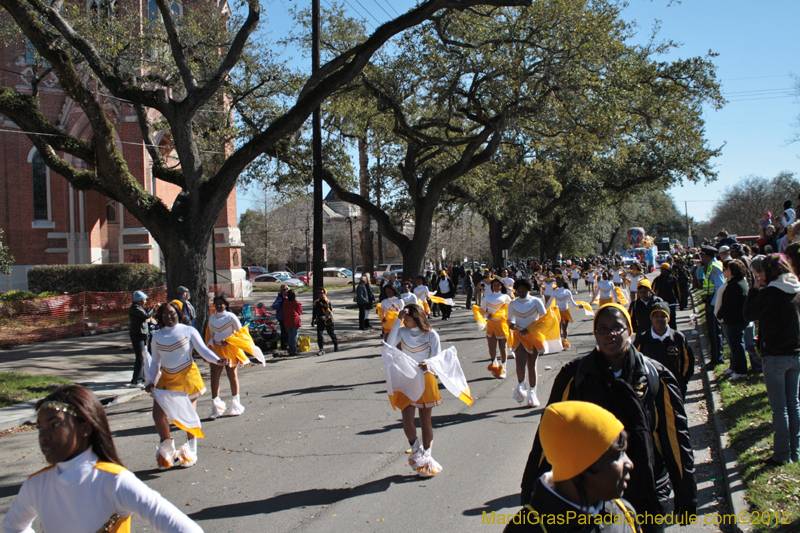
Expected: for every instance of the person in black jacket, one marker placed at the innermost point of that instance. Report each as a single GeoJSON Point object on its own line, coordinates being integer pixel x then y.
{"type": "Point", "coordinates": [646, 398]}
{"type": "Point", "coordinates": [641, 307]}
{"type": "Point", "coordinates": [667, 346]}
{"type": "Point", "coordinates": [682, 274]}
{"type": "Point", "coordinates": [729, 312]}
{"type": "Point", "coordinates": [775, 303]}
{"type": "Point", "coordinates": [138, 313]}
{"type": "Point", "coordinates": [666, 287]}
{"type": "Point", "coordinates": [590, 472]}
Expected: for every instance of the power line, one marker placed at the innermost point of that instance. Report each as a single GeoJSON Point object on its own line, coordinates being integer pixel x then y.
{"type": "Point", "coordinates": [384, 10]}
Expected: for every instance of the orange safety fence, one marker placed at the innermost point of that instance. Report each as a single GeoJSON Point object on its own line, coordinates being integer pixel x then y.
{"type": "Point", "coordinates": [58, 317]}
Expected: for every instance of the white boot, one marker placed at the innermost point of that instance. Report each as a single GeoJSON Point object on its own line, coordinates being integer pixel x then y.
{"type": "Point", "coordinates": [503, 373]}
{"type": "Point", "coordinates": [188, 453]}
{"type": "Point", "coordinates": [426, 465]}
{"type": "Point", "coordinates": [519, 392]}
{"type": "Point", "coordinates": [166, 454]}
{"type": "Point", "coordinates": [236, 407]}
{"type": "Point", "coordinates": [511, 354]}
{"type": "Point", "coordinates": [533, 401]}
{"type": "Point", "coordinates": [217, 407]}
{"type": "Point", "coordinates": [416, 451]}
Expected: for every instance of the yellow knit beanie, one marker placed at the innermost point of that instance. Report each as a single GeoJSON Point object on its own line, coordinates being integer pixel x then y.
{"type": "Point", "coordinates": [617, 306]}
{"type": "Point", "coordinates": [575, 435]}
{"type": "Point", "coordinates": [644, 282]}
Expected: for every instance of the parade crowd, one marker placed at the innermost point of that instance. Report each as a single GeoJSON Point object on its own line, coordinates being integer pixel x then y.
{"type": "Point", "coordinates": [612, 444]}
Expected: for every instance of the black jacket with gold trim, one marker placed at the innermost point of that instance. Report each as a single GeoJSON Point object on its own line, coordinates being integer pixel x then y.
{"type": "Point", "coordinates": [646, 398]}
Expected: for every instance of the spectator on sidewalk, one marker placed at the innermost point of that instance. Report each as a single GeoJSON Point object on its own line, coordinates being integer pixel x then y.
{"type": "Point", "coordinates": [682, 274]}
{"type": "Point", "coordinates": [139, 331]}
{"type": "Point", "coordinates": [775, 303]}
{"type": "Point", "coordinates": [587, 447]}
{"type": "Point", "coordinates": [729, 309]}
{"type": "Point", "coordinates": [188, 309]}
{"type": "Point", "coordinates": [646, 398]}
{"type": "Point", "coordinates": [87, 484]}
{"type": "Point", "coordinates": [667, 346]}
{"type": "Point", "coordinates": [712, 280]}
{"type": "Point", "coordinates": [277, 305]}
{"type": "Point", "coordinates": [292, 309]}
{"type": "Point", "coordinates": [469, 287]}
{"type": "Point", "coordinates": [364, 299]}
{"type": "Point", "coordinates": [322, 317]}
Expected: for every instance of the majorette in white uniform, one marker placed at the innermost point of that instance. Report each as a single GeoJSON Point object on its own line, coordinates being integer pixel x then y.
{"type": "Point", "coordinates": [403, 380]}
{"type": "Point", "coordinates": [495, 326]}
{"type": "Point", "coordinates": [522, 312]}
{"type": "Point", "coordinates": [83, 495]}
{"type": "Point", "coordinates": [409, 298]}
{"type": "Point", "coordinates": [422, 293]}
{"type": "Point", "coordinates": [221, 326]}
{"type": "Point", "coordinates": [564, 298]}
{"type": "Point", "coordinates": [509, 283]}
{"type": "Point", "coordinates": [617, 277]}
{"type": "Point", "coordinates": [606, 291]}
{"type": "Point", "coordinates": [635, 277]}
{"type": "Point", "coordinates": [390, 304]}
{"type": "Point", "coordinates": [172, 355]}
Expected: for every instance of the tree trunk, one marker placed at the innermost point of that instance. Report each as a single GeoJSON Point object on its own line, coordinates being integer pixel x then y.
{"type": "Point", "coordinates": [185, 261]}
{"type": "Point", "coordinates": [498, 241]}
{"type": "Point", "coordinates": [367, 253]}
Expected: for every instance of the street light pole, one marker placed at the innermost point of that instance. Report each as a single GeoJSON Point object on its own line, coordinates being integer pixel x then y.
{"type": "Point", "coordinates": [316, 145]}
{"type": "Point", "coordinates": [352, 255]}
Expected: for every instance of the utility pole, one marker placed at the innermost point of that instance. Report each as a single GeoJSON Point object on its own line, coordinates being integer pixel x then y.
{"type": "Point", "coordinates": [316, 123]}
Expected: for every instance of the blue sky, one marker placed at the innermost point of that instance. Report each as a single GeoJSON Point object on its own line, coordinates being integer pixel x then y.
{"type": "Point", "coordinates": [759, 49]}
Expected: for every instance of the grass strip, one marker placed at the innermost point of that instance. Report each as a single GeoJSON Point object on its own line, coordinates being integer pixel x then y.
{"type": "Point", "coordinates": [16, 387]}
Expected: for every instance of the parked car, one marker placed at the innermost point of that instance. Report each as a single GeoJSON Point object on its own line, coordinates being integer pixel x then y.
{"type": "Point", "coordinates": [269, 281]}
{"type": "Point", "coordinates": [302, 276]}
{"type": "Point", "coordinates": [253, 271]}
{"type": "Point", "coordinates": [387, 267]}
{"type": "Point", "coordinates": [334, 276]}
{"type": "Point", "coordinates": [286, 273]}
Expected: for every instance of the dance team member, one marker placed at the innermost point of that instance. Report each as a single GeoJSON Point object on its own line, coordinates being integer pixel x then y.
{"type": "Point", "coordinates": [86, 488]}
{"type": "Point", "coordinates": [523, 311]}
{"type": "Point", "coordinates": [495, 308]}
{"type": "Point", "coordinates": [223, 324]}
{"type": "Point", "coordinates": [172, 357]}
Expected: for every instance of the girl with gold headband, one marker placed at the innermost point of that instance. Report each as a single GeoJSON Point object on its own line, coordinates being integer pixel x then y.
{"type": "Point", "coordinates": [86, 488]}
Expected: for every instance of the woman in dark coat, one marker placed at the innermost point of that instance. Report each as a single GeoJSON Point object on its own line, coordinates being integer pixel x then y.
{"type": "Point", "coordinates": [729, 312]}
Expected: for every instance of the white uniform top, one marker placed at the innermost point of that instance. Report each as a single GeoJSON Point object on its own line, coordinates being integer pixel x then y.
{"type": "Point", "coordinates": [590, 276]}
{"type": "Point", "coordinates": [509, 283]}
{"type": "Point", "coordinates": [414, 342]}
{"type": "Point", "coordinates": [575, 273]}
{"type": "Point", "coordinates": [387, 303]}
{"type": "Point", "coordinates": [444, 286]}
{"type": "Point", "coordinates": [563, 298]}
{"type": "Point", "coordinates": [422, 292]}
{"type": "Point", "coordinates": [408, 298]}
{"type": "Point", "coordinates": [172, 349]}
{"type": "Point", "coordinates": [617, 278]}
{"type": "Point", "coordinates": [635, 278]}
{"type": "Point", "coordinates": [76, 497]}
{"type": "Point", "coordinates": [523, 311]}
{"type": "Point", "coordinates": [519, 274]}
{"type": "Point", "coordinates": [606, 289]}
{"type": "Point", "coordinates": [492, 301]}
{"type": "Point", "coordinates": [223, 325]}
{"type": "Point", "coordinates": [548, 288]}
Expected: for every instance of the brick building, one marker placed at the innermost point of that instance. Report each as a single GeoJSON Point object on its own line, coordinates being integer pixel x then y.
{"type": "Point", "coordinates": [47, 222]}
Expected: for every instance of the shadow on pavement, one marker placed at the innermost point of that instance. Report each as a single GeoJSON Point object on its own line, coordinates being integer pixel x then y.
{"type": "Point", "coordinates": [303, 498]}
{"type": "Point", "coordinates": [324, 388]}
{"type": "Point", "coordinates": [504, 502]}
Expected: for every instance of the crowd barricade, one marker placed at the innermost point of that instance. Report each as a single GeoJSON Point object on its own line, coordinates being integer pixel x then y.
{"type": "Point", "coordinates": [73, 315]}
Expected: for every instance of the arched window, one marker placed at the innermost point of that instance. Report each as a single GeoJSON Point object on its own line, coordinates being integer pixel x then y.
{"type": "Point", "coordinates": [40, 200]}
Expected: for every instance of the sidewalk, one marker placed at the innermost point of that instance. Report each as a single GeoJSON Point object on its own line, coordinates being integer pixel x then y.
{"type": "Point", "coordinates": [103, 363]}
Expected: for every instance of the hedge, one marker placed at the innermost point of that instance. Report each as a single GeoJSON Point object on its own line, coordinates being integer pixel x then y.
{"type": "Point", "coordinates": [116, 277]}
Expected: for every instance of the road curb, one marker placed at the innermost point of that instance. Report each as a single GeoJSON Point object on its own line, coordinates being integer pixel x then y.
{"type": "Point", "coordinates": [735, 486]}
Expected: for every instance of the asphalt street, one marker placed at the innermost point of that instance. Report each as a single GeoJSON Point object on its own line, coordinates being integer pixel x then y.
{"type": "Point", "coordinates": [319, 448]}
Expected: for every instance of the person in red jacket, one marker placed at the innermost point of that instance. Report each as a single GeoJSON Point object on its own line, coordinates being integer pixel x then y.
{"type": "Point", "coordinates": [292, 309]}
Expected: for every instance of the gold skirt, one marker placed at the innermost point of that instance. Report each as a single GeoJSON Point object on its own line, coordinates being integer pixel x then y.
{"type": "Point", "coordinates": [429, 398]}
{"type": "Point", "coordinates": [187, 380]}
{"type": "Point", "coordinates": [236, 355]}
{"type": "Point", "coordinates": [566, 315]}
